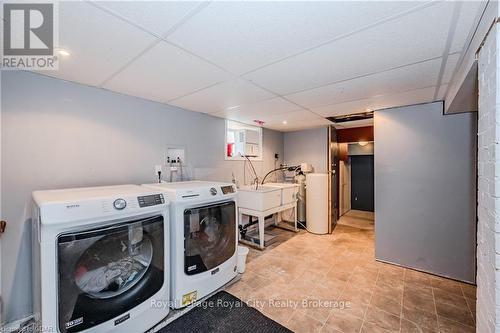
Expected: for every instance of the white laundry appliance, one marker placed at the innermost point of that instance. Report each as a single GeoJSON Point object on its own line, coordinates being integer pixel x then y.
{"type": "Point", "coordinates": [203, 237]}
{"type": "Point", "coordinates": [100, 259]}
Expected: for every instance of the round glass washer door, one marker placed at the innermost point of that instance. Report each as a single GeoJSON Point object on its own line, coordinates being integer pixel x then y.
{"type": "Point", "coordinates": [113, 265]}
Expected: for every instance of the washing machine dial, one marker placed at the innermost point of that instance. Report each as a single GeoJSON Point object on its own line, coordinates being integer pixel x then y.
{"type": "Point", "coordinates": [213, 191]}
{"type": "Point", "coordinates": [120, 204]}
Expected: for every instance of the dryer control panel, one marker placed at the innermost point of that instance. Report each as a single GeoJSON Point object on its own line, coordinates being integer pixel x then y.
{"type": "Point", "coordinates": [227, 189]}
{"type": "Point", "coordinates": [151, 200]}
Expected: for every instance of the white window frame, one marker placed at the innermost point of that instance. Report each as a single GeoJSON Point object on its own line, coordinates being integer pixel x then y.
{"type": "Point", "coordinates": [237, 125]}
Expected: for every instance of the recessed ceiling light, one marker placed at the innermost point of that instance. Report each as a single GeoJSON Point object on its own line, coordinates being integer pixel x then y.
{"type": "Point", "coordinates": [233, 107]}
{"type": "Point", "coordinates": [285, 122]}
{"type": "Point", "coordinates": [63, 52]}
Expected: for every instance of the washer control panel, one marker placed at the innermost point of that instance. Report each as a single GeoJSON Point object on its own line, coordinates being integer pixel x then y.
{"type": "Point", "coordinates": [227, 189]}
{"type": "Point", "coordinates": [151, 200]}
{"type": "Point", "coordinates": [120, 204]}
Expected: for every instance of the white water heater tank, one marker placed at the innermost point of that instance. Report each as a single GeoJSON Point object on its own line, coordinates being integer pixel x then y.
{"type": "Point", "coordinates": [317, 202]}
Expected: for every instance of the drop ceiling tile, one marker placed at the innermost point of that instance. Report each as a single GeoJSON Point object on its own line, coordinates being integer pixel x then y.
{"type": "Point", "coordinates": [165, 72]}
{"type": "Point", "coordinates": [157, 17]}
{"type": "Point", "coordinates": [296, 125]}
{"type": "Point", "coordinates": [303, 116]}
{"type": "Point", "coordinates": [241, 36]}
{"type": "Point", "coordinates": [259, 110]}
{"type": "Point", "coordinates": [423, 95]}
{"type": "Point", "coordinates": [99, 43]}
{"type": "Point", "coordinates": [229, 94]}
{"type": "Point", "coordinates": [351, 107]}
{"type": "Point", "coordinates": [451, 64]}
{"type": "Point", "coordinates": [416, 96]}
{"type": "Point", "coordinates": [466, 23]}
{"type": "Point", "coordinates": [395, 43]}
{"type": "Point", "coordinates": [442, 92]}
{"type": "Point", "coordinates": [406, 78]}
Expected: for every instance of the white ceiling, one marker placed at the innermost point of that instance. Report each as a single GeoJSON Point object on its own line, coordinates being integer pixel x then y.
{"type": "Point", "coordinates": [294, 62]}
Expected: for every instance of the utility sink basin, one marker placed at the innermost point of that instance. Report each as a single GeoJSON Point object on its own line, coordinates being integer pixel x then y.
{"type": "Point", "coordinates": [262, 199]}
{"type": "Point", "coordinates": [289, 191]}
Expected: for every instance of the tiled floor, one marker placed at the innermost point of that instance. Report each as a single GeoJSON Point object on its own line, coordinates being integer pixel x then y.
{"type": "Point", "coordinates": [332, 283]}
{"type": "Point", "coordinates": [358, 219]}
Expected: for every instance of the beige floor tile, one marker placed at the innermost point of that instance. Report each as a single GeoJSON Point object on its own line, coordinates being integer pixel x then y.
{"type": "Point", "coordinates": [255, 281]}
{"type": "Point", "coordinates": [278, 314]}
{"type": "Point", "coordinates": [354, 294]}
{"type": "Point", "coordinates": [389, 291]}
{"type": "Point", "coordinates": [338, 274]}
{"type": "Point", "coordinates": [418, 288]}
{"type": "Point", "coordinates": [387, 304]}
{"type": "Point", "coordinates": [416, 300]}
{"type": "Point", "coordinates": [421, 318]}
{"type": "Point", "coordinates": [446, 285]}
{"type": "Point", "coordinates": [468, 290]}
{"type": "Point", "coordinates": [448, 298]}
{"type": "Point", "coordinates": [411, 327]}
{"type": "Point", "coordinates": [472, 305]}
{"type": "Point", "coordinates": [372, 328]}
{"type": "Point", "coordinates": [449, 326]}
{"type": "Point", "coordinates": [342, 322]}
{"type": "Point", "coordinates": [383, 319]}
{"type": "Point", "coordinates": [389, 281]}
{"type": "Point", "coordinates": [300, 322]}
{"type": "Point", "coordinates": [355, 309]}
{"type": "Point", "coordinates": [362, 281]}
{"type": "Point", "coordinates": [458, 314]}
{"type": "Point", "coordinates": [241, 290]}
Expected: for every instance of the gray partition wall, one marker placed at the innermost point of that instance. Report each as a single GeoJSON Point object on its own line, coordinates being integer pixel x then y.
{"type": "Point", "coordinates": [425, 189]}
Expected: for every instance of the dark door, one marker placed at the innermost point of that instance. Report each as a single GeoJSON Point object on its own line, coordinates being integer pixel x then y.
{"type": "Point", "coordinates": [362, 183]}
{"type": "Point", "coordinates": [333, 170]}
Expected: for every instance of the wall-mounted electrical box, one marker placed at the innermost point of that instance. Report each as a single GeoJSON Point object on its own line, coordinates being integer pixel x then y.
{"type": "Point", "coordinates": [176, 154]}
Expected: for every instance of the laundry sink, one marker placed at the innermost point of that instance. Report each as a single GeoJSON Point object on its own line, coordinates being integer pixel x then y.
{"type": "Point", "coordinates": [289, 191]}
{"type": "Point", "coordinates": [260, 199]}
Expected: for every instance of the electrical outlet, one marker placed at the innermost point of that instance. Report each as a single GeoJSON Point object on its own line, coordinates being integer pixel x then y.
{"type": "Point", "coordinates": [157, 169]}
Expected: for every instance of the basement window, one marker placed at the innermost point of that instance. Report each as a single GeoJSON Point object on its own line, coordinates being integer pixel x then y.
{"type": "Point", "coordinates": [243, 140]}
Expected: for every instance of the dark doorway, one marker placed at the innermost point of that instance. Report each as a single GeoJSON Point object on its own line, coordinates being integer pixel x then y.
{"type": "Point", "coordinates": [362, 183]}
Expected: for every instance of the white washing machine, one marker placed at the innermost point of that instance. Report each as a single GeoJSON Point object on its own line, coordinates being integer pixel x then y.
{"type": "Point", "coordinates": [203, 238]}
{"type": "Point", "coordinates": [100, 259]}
